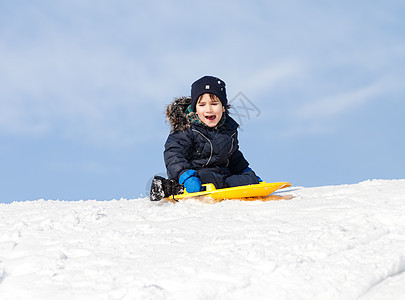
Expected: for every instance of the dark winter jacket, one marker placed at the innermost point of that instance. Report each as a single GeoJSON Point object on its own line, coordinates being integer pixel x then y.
{"type": "Point", "coordinates": [193, 145]}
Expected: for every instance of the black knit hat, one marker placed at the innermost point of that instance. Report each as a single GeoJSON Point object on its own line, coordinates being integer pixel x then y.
{"type": "Point", "coordinates": [211, 85]}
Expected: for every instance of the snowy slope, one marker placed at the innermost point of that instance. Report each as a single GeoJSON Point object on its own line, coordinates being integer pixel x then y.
{"type": "Point", "coordinates": [332, 242]}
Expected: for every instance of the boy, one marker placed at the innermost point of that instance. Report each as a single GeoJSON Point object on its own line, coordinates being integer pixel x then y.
{"type": "Point", "coordinates": [203, 145]}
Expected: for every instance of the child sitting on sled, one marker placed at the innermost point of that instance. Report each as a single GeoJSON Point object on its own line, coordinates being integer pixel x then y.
{"type": "Point", "coordinates": [203, 144]}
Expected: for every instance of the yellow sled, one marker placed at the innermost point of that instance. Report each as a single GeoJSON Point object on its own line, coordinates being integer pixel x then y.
{"type": "Point", "coordinates": [244, 192]}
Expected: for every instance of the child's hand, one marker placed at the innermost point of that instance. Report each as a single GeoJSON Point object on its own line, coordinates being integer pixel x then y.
{"type": "Point", "coordinates": [192, 185]}
{"type": "Point", "coordinates": [190, 181]}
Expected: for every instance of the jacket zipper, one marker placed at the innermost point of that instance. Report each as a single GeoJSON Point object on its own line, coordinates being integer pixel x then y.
{"type": "Point", "coordinates": [212, 149]}
{"type": "Point", "coordinates": [227, 164]}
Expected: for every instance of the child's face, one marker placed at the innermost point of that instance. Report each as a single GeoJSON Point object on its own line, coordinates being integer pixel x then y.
{"type": "Point", "coordinates": [209, 110]}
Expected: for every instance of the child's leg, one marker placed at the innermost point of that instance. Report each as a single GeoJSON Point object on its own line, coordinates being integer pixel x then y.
{"type": "Point", "coordinates": [210, 176]}
{"type": "Point", "coordinates": [242, 179]}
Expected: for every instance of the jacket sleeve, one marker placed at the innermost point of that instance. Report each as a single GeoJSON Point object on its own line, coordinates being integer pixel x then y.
{"type": "Point", "coordinates": [178, 148]}
{"type": "Point", "coordinates": [237, 163]}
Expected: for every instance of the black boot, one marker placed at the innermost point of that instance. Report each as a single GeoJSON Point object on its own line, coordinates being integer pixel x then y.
{"type": "Point", "coordinates": [176, 188]}
{"type": "Point", "coordinates": [162, 188]}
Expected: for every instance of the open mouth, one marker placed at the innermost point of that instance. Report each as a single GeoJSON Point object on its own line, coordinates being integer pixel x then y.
{"type": "Point", "coordinates": [211, 118]}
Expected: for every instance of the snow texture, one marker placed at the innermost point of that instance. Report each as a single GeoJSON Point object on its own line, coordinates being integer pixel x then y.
{"type": "Point", "coordinates": [332, 242]}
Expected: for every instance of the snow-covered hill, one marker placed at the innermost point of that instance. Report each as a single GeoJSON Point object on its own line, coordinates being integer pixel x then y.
{"type": "Point", "coordinates": [332, 242]}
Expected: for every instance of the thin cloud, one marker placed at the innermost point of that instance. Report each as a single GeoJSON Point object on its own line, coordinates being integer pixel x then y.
{"type": "Point", "coordinates": [81, 75]}
{"type": "Point", "coordinates": [263, 80]}
{"type": "Point", "coordinates": [332, 107]}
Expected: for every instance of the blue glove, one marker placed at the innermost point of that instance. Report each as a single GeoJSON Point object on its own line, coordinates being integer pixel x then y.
{"type": "Point", "coordinates": [190, 181]}
{"type": "Point", "coordinates": [248, 170]}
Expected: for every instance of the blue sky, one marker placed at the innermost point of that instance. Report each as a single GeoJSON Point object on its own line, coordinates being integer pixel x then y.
{"type": "Point", "coordinates": [84, 86]}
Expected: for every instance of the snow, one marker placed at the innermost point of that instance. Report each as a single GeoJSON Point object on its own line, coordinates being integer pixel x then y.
{"type": "Point", "coordinates": [331, 242]}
